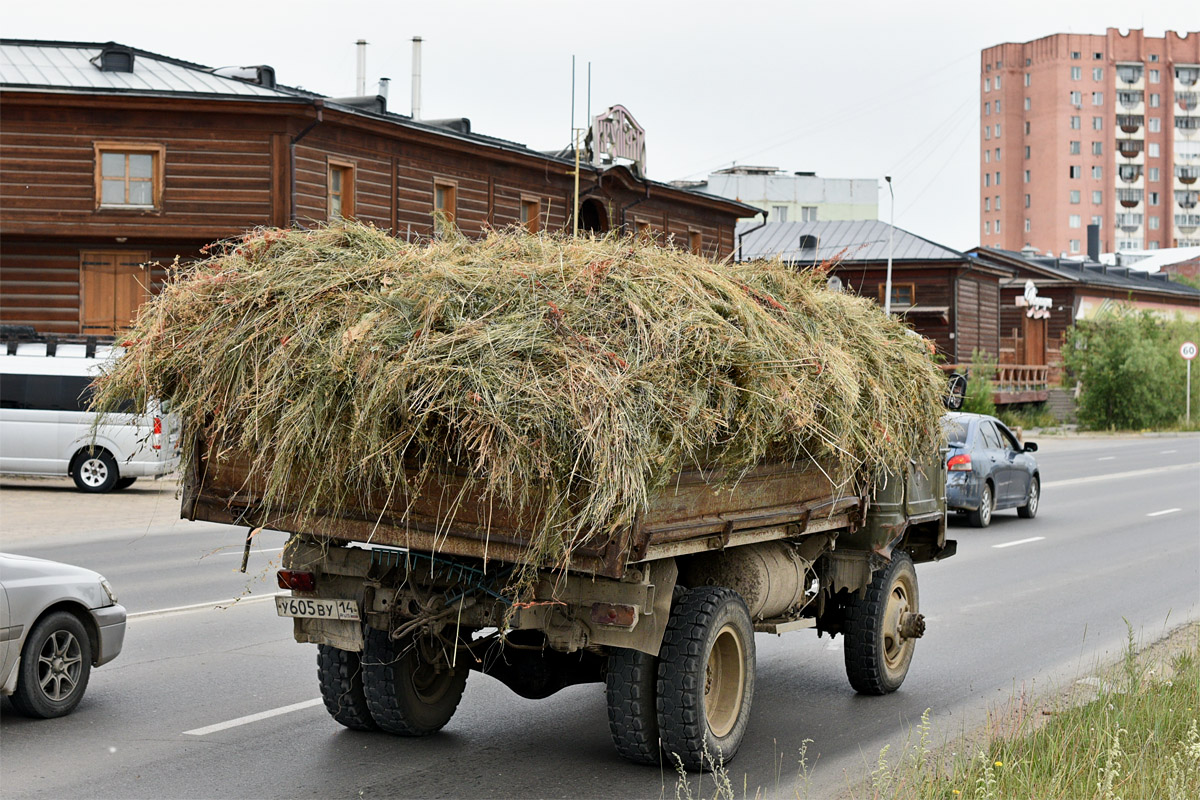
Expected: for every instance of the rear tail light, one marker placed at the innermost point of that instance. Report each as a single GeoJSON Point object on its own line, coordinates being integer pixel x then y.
{"type": "Point", "coordinates": [156, 441]}
{"type": "Point", "coordinates": [619, 615]}
{"type": "Point", "coordinates": [960, 463]}
{"type": "Point", "coordinates": [297, 581]}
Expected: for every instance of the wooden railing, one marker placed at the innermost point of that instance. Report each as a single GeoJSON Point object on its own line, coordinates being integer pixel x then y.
{"type": "Point", "coordinates": [1014, 383]}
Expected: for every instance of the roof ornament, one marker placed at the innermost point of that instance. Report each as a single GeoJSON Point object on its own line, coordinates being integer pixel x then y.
{"type": "Point", "coordinates": [1036, 307]}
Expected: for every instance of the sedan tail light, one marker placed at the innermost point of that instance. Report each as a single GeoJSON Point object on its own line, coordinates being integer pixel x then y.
{"type": "Point", "coordinates": [959, 463]}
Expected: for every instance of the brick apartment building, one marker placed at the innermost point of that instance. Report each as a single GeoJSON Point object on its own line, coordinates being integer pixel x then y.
{"type": "Point", "coordinates": [1080, 129]}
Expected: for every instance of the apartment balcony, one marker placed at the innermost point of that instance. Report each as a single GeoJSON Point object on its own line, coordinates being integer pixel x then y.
{"type": "Point", "coordinates": [1129, 222]}
{"type": "Point", "coordinates": [1130, 147]}
{"type": "Point", "coordinates": [1186, 198]}
{"type": "Point", "coordinates": [1187, 223]}
{"type": "Point", "coordinates": [1129, 73]}
{"type": "Point", "coordinates": [1130, 123]}
{"type": "Point", "coordinates": [1187, 76]}
{"type": "Point", "coordinates": [1130, 173]}
{"type": "Point", "coordinates": [1187, 125]}
{"type": "Point", "coordinates": [1130, 99]}
{"type": "Point", "coordinates": [1187, 175]}
{"type": "Point", "coordinates": [1187, 101]}
{"type": "Point", "coordinates": [1129, 198]}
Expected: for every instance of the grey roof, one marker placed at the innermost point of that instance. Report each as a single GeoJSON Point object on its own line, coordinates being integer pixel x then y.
{"type": "Point", "coordinates": [847, 240]}
{"type": "Point", "coordinates": [68, 65]}
{"type": "Point", "coordinates": [1092, 273]}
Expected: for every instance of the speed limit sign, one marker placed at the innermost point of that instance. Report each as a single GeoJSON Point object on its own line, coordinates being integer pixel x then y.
{"type": "Point", "coordinates": [1188, 350]}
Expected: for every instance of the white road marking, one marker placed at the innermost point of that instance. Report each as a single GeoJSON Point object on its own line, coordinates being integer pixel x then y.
{"type": "Point", "coordinates": [162, 612]}
{"type": "Point", "coordinates": [1137, 473]}
{"type": "Point", "coordinates": [1019, 541]}
{"type": "Point", "coordinates": [1164, 511]}
{"type": "Point", "coordinates": [239, 553]}
{"type": "Point", "coordinates": [246, 720]}
{"type": "Point", "coordinates": [1106, 458]}
{"type": "Point", "coordinates": [1164, 452]}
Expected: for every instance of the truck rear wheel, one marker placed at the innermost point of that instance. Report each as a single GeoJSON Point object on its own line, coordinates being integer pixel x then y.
{"type": "Point", "coordinates": [407, 694]}
{"type": "Point", "coordinates": [882, 628]}
{"type": "Point", "coordinates": [340, 674]}
{"type": "Point", "coordinates": [705, 677]}
{"type": "Point", "coordinates": [629, 684]}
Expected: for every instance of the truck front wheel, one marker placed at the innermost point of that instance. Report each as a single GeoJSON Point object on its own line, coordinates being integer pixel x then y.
{"type": "Point", "coordinates": [881, 628]}
{"type": "Point", "coordinates": [705, 677]}
{"type": "Point", "coordinates": [408, 694]}
{"type": "Point", "coordinates": [340, 675]}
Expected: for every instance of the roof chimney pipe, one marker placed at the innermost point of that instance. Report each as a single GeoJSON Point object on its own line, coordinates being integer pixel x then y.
{"type": "Point", "coordinates": [361, 86]}
{"type": "Point", "coordinates": [416, 78]}
{"type": "Point", "coordinates": [384, 84]}
{"type": "Point", "coordinates": [1093, 251]}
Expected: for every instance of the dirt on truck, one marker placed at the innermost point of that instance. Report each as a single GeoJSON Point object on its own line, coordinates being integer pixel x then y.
{"type": "Point", "coordinates": [554, 461]}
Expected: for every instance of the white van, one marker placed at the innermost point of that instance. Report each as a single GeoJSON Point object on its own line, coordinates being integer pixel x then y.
{"type": "Point", "coordinates": [46, 429]}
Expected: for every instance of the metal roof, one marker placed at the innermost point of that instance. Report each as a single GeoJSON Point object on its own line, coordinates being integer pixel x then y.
{"type": "Point", "coordinates": [68, 65]}
{"type": "Point", "coordinates": [845, 240]}
{"type": "Point", "coordinates": [1091, 273]}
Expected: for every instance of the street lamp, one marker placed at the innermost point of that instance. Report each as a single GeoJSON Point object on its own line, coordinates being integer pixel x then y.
{"type": "Point", "coordinates": [887, 289]}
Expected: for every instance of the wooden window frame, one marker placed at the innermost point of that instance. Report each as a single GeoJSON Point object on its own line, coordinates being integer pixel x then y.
{"type": "Point", "coordinates": [695, 241]}
{"type": "Point", "coordinates": [451, 186]}
{"type": "Point", "coordinates": [349, 187]}
{"type": "Point", "coordinates": [533, 221]}
{"type": "Point", "coordinates": [158, 153]}
{"type": "Point", "coordinates": [912, 294]}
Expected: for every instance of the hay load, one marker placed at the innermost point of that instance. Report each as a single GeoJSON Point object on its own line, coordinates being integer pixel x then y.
{"type": "Point", "coordinates": [571, 377]}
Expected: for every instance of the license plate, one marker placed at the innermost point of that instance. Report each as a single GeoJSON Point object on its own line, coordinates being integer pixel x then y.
{"type": "Point", "coordinates": [317, 609]}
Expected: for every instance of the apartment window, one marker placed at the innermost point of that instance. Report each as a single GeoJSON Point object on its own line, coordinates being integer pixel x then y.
{"type": "Point", "coordinates": [695, 242]}
{"type": "Point", "coordinates": [808, 213]}
{"type": "Point", "coordinates": [1097, 221]}
{"type": "Point", "coordinates": [1026, 128]}
{"type": "Point", "coordinates": [1028, 62]}
{"type": "Point", "coordinates": [1097, 197]}
{"type": "Point", "coordinates": [1097, 148]}
{"type": "Point", "coordinates": [1153, 198]}
{"type": "Point", "coordinates": [987, 132]}
{"type": "Point", "coordinates": [997, 202]}
{"type": "Point", "coordinates": [1027, 176]}
{"type": "Point", "coordinates": [1027, 201]}
{"type": "Point", "coordinates": [987, 156]}
{"type": "Point", "coordinates": [1028, 79]}
{"type": "Point", "coordinates": [1154, 57]}
{"type": "Point", "coordinates": [340, 189]}
{"type": "Point", "coordinates": [531, 214]}
{"type": "Point", "coordinates": [997, 102]}
{"type": "Point", "coordinates": [987, 109]}
{"type": "Point", "coordinates": [1073, 148]}
{"type": "Point", "coordinates": [445, 203]}
{"type": "Point", "coordinates": [1154, 125]}
{"type": "Point", "coordinates": [997, 226]}
{"type": "Point", "coordinates": [1074, 243]}
{"type": "Point", "coordinates": [1026, 151]}
{"type": "Point", "coordinates": [997, 153]}
{"type": "Point", "coordinates": [1155, 100]}
{"type": "Point", "coordinates": [1027, 225]}
{"type": "Point", "coordinates": [1074, 221]}
{"type": "Point", "coordinates": [1075, 123]}
{"type": "Point", "coordinates": [1153, 223]}
{"type": "Point", "coordinates": [1074, 197]}
{"type": "Point", "coordinates": [1152, 150]}
{"type": "Point", "coordinates": [129, 175]}
{"type": "Point", "coordinates": [987, 204]}
{"type": "Point", "coordinates": [1152, 173]}
{"type": "Point", "coordinates": [1152, 245]}
{"type": "Point", "coordinates": [1028, 105]}
{"type": "Point", "coordinates": [1097, 173]}
{"type": "Point", "coordinates": [1098, 56]}
{"type": "Point", "coordinates": [1097, 98]}
{"type": "Point", "coordinates": [903, 294]}
{"type": "Point", "coordinates": [987, 179]}
{"type": "Point", "coordinates": [1097, 73]}
{"type": "Point", "coordinates": [987, 84]}
{"type": "Point", "coordinates": [1097, 123]}
{"type": "Point", "coordinates": [779, 213]}
{"type": "Point", "coordinates": [997, 130]}
{"type": "Point", "coordinates": [1075, 56]}
{"type": "Point", "coordinates": [987, 226]}
{"type": "Point", "coordinates": [1076, 73]}
{"type": "Point", "coordinates": [1074, 171]}
{"type": "Point", "coordinates": [997, 178]}
{"type": "Point", "coordinates": [1154, 76]}
{"type": "Point", "coordinates": [1076, 98]}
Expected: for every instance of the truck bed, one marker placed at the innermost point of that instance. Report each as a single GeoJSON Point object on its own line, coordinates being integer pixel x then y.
{"type": "Point", "coordinates": [774, 501]}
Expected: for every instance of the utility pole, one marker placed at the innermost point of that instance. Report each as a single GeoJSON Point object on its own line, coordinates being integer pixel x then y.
{"type": "Point", "coordinates": [887, 289]}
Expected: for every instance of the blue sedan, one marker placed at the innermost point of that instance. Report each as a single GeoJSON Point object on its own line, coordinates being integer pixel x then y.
{"type": "Point", "coordinates": [987, 469]}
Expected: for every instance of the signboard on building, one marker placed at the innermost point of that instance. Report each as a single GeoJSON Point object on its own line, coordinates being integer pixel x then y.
{"type": "Point", "coordinates": [616, 134]}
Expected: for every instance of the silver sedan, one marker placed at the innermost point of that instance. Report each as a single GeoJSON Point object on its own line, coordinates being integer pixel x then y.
{"type": "Point", "coordinates": [56, 622]}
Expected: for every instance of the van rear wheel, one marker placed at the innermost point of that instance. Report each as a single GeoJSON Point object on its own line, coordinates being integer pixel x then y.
{"type": "Point", "coordinates": [95, 471]}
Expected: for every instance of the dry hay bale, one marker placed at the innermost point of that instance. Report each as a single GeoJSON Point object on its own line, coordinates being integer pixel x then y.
{"type": "Point", "coordinates": [574, 376]}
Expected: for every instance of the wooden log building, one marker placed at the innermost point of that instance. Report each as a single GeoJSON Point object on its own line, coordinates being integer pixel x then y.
{"type": "Point", "coordinates": [115, 162]}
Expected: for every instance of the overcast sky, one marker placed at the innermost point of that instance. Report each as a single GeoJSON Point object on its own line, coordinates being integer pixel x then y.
{"type": "Point", "coordinates": [846, 89]}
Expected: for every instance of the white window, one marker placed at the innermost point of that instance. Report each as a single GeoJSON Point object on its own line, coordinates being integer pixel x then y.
{"type": "Point", "coordinates": [987, 84]}
{"type": "Point", "coordinates": [997, 102]}
{"type": "Point", "coordinates": [1097, 173]}
{"type": "Point", "coordinates": [779, 213]}
{"type": "Point", "coordinates": [1155, 125]}
{"type": "Point", "coordinates": [1074, 197]}
{"type": "Point", "coordinates": [1074, 221]}
{"type": "Point", "coordinates": [1027, 176]}
{"type": "Point", "coordinates": [1028, 79]}
{"type": "Point", "coordinates": [1027, 225]}
{"type": "Point", "coordinates": [1097, 148]}
{"type": "Point", "coordinates": [1073, 148]}
{"type": "Point", "coordinates": [997, 130]}
{"type": "Point", "coordinates": [1097, 123]}
{"type": "Point", "coordinates": [1153, 223]}
{"type": "Point", "coordinates": [1075, 123]}
{"type": "Point", "coordinates": [1076, 98]}
{"type": "Point", "coordinates": [987, 131]}
{"type": "Point", "coordinates": [1153, 173]}
{"type": "Point", "coordinates": [997, 178]}
{"type": "Point", "coordinates": [1097, 221]}
{"type": "Point", "coordinates": [1028, 104]}
{"type": "Point", "coordinates": [987, 204]}
{"type": "Point", "coordinates": [1097, 98]}
{"type": "Point", "coordinates": [1097, 73]}
{"type": "Point", "coordinates": [808, 213]}
{"type": "Point", "coordinates": [987, 179]}
{"type": "Point", "coordinates": [1076, 73]}
{"type": "Point", "coordinates": [1097, 197]}
{"type": "Point", "coordinates": [1074, 245]}
{"type": "Point", "coordinates": [987, 226]}
{"type": "Point", "coordinates": [987, 156]}
{"type": "Point", "coordinates": [1153, 198]}
{"type": "Point", "coordinates": [1027, 201]}
{"type": "Point", "coordinates": [997, 202]}
{"type": "Point", "coordinates": [1026, 128]}
{"type": "Point", "coordinates": [1154, 100]}
{"type": "Point", "coordinates": [997, 153]}
{"type": "Point", "coordinates": [1152, 150]}
{"type": "Point", "coordinates": [997, 226]}
{"type": "Point", "coordinates": [1154, 76]}
{"type": "Point", "coordinates": [987, 108]}
{"type": "Point", "coordinates": [1074, 171]}
{"type": "Point", "coordinates": [1152, 245]}
{"type": "Point", "coordinates": [997, 81]}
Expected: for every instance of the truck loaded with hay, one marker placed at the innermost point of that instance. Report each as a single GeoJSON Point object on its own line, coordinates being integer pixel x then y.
{"type": "Point", "coordinates": [554, 461]}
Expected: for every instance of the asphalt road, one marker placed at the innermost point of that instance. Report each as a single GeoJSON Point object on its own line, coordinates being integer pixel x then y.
{"type": "Point", "coordinates": [214, 699]}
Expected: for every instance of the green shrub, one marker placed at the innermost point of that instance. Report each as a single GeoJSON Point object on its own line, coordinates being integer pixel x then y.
{"type": "Point", "coordinates": [979, 385]}
{"type": "Point", "coordinates": [1129, 368]}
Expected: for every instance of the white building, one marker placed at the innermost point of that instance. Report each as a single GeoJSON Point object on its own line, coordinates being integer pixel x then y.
{"type": "Point", "coordinates": [795, 197]}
